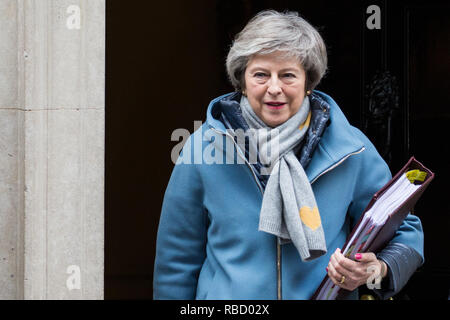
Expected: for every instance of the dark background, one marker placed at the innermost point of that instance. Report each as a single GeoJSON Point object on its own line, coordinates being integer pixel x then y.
{"type": "Point", "coordinates": [165, 62]}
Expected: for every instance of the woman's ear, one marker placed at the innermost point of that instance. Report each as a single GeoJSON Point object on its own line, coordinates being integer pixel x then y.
{"type": "Point", "coordinates": [307, 85]}
{"type": "Point", "coordinates": [243, 84]}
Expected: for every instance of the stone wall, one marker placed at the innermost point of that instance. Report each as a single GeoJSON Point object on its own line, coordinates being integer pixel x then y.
{"type": "Point", "coordinates": [52, 110]}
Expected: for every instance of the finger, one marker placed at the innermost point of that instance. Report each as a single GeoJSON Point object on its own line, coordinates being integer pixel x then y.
{"type": "Point", "coordinates": [354, 272]}
{"type": "Point", "coordinates": [340, 270]}
{"type": "Point", "coordinates": [336, 278]}
{"type": "Point", "coordinates": [368, 257]}
{"type": "Point", "coordinates": [344, 265]}
{"type": "Point", "coordinates": [333, 273]}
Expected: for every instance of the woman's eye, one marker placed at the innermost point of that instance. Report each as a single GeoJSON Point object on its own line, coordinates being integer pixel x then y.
{"type": "Point", "coordinates": [289, 75]}
{"type": "Point", "coordinates": [260, 75]}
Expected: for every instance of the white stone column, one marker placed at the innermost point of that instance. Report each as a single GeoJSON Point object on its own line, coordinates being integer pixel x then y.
{"type": "Point", "coordinates": [52, 111]}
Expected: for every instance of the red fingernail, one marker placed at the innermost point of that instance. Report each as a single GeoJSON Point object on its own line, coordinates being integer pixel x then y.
{"type": "Point", "coordinates": [358, 256]}
{"type": "Point", "coordinates": [327, 269]}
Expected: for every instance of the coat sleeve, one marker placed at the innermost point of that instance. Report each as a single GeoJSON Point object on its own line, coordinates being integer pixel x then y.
{"type": "Point", "coordinates": [181, 239]}
{"type": "Point", "coordinates": [373, 175]}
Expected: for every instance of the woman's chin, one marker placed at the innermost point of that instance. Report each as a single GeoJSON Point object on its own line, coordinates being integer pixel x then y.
{"type": "Point", "coordinates": [274, 121]}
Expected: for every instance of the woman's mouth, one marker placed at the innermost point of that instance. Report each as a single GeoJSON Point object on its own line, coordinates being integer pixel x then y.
{"type": "Point", "coordinates": [275, 105]}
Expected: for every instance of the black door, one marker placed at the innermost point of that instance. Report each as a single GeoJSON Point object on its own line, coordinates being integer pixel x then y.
{"type": "Point", "coordinates": [390, 80]}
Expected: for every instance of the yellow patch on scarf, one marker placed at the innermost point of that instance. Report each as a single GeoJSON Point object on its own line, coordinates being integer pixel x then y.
{"type": "Point", "coordinates": [310, 218]}
{"type": "Point", "coordinates": [306, 123]}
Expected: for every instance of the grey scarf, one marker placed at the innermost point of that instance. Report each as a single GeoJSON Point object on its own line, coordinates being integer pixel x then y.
{"type": "Point", "coordinates": [289, 208]}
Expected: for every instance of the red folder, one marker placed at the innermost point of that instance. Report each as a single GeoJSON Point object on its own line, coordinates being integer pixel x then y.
{"type": "Point", "coordinates": [394, 220]}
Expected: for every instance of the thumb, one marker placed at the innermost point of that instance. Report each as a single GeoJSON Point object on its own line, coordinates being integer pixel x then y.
{"type": "Point", "coordinates": [366, 257]}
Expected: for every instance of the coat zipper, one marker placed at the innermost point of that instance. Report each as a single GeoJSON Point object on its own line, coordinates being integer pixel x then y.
{"type": "Point", "coordinates": [337, 164]}
{"type": "Point", "coordinates": [262, 193]}
{"type": "Point", "coordinates": [279, 296]}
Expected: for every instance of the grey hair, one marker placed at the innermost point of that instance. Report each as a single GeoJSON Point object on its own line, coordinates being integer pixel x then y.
{"type": "Point", "coordinates": [271, 31]}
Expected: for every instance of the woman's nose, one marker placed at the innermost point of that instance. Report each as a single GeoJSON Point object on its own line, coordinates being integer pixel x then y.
{"type": "Point", "coordinates": [274, 86]}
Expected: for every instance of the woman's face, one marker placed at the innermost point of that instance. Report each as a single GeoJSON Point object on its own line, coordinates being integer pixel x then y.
{"type": "Point", "coordinates": [275, 87]}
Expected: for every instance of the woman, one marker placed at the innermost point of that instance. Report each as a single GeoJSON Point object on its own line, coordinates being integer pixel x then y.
{"type": "Point", "coordinates": [272, 228]}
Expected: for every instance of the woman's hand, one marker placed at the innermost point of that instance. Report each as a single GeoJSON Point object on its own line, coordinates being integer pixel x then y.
{"type": "Point", "coordinates": [349, 274]}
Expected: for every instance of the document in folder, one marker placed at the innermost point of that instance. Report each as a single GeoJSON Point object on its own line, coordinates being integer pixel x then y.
{"type": "Point", "coordinates": [381, 218]}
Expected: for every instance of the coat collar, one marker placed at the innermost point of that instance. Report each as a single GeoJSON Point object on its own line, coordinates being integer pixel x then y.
{"type": "Point", "coordinates": [338, 142]}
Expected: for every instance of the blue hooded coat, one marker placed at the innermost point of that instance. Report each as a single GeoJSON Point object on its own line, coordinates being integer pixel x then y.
{"type": "Point", "coordinates": [208, 243]}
